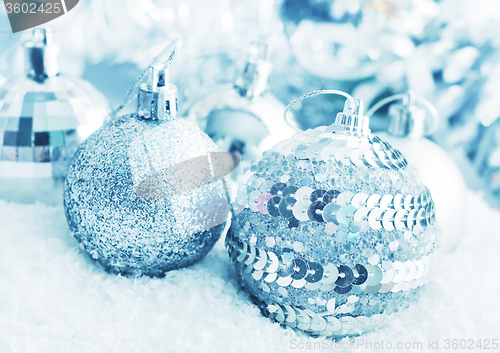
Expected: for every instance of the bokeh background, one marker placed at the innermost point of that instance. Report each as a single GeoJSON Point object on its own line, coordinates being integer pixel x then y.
{"type": "Point", "coordinates": [445, 51]}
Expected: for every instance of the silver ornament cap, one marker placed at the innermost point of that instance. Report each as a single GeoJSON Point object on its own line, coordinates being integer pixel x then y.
{"type": "Point", "coordinates": [41, 56]}
{"type": "Point", "coordinates": [406, 119]}
{"type": "Point", "coordinates": [157, 97]}
{"type": "Point", "coordinates": [352, 118]}
{"type": "Point", "coordinates": [254, 78]}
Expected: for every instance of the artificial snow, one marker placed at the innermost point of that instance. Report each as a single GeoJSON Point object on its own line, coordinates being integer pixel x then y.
{"type": "Point", "coordinates": [54, 298]}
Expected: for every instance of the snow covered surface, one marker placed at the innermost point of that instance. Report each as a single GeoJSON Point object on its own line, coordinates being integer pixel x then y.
{"type": "Point", "coordinates": [53, 298]}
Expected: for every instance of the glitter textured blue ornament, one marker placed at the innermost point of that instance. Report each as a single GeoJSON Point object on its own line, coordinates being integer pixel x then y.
{"type": "Point", "coordinates": [333, 232]}
{"type": "Point", "coordinates": [135, 230]}
{"type": "Point", "coordinates": [43, 119]}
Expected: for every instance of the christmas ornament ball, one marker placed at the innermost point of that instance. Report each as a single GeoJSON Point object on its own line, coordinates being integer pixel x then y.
{"type": "Point", "coordinates": [123, 231]}
{"type": "Point", "coordinates": [44, 116]}
{"type": "Point", "coordinates": [333, 233]}
{"type": "Point", "coordinates": [408, 124]}
{"type": "Point", "coordinates": [242, 117]}
{"type": "Point", "coordinates": [122, 199]}
{"type": "Point", "coordinates": [444, 180]}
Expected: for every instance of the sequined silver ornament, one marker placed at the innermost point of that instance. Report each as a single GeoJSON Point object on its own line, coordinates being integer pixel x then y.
{"type": "Point", "coordinates": [333, 232]}
{"type": "Point", "coordinates": [244, 118]}
{"type": "Point", "coordinates": [43, 119]}
{"type": "Point", "coordinates": [117, 198]}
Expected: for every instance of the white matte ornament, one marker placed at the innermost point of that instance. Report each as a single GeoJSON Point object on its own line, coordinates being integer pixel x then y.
{"type": "Point", "coordinates": [441, 175]}
{"type": "Point", "coordinates": [406, 131]}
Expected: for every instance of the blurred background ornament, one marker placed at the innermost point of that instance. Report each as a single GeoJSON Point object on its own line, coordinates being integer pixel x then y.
{"type": "Point", "coordinates": [117, 38]}
{"type": "Point", "coordinates": [118, 195]}
{"type": "Point", "coordinates": [44, 116]}
{"type": "Point", "coordinates": [436, 169]}
{"type": "Point", "coordinates": [243, 117]}
{"type": "Point", "coordinates": [333, 232]}
{"type": "Point", "coordinates": [487, 162]}
{"type": "Point", "coordinates": [348, 42]}
{"type": "Point", "coordinates": [445, 51]}
{"type": "Point", "coordinates": [454, 66]}
{"type": "Point", "coordinates": [352, 40]}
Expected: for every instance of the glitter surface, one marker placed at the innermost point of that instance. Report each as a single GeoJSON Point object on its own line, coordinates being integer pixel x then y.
{"type": "Point", "coordinates": [41, 127]}
{"type": "Point", "coordinates": [125, 232]}
{"type": "Point", "coordinates": [357, 243]}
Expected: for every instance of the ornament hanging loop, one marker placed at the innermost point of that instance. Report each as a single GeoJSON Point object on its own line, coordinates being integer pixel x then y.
{"type": "Point", "coordinates": [406, 118]}
{"type": "Point", "coordinates": [157, 98]}
{"type": "Point", "coordinates": [311, 94]}
{"type": "Point", "coordinates": [352, 118]}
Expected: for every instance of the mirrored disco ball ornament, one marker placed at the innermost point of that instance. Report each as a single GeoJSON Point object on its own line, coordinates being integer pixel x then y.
{"type": "Point", "coordinates": [44, 117]}
{"type": "Point", "coordinates": [406, 131]}
{"type": "Point", "coordinates": [334, 233]}
{"type": "Point", "coordinates": [130, 195]}
{"type": "Point", "coordinates": [242, 118]}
